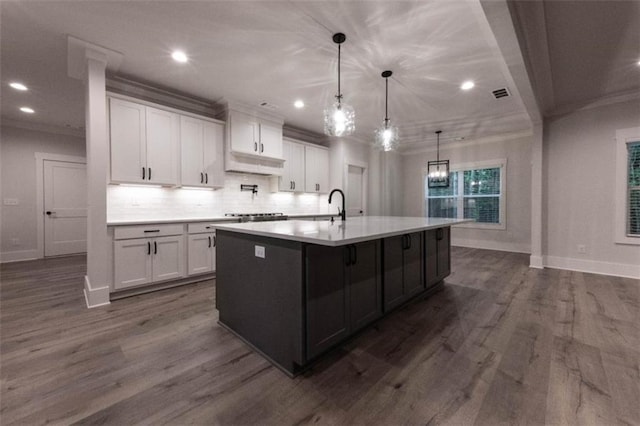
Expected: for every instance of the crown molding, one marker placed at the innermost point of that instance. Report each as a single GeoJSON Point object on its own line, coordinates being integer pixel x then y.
{"type": "Point", "coordinates": [521, 134]}
{"type": "Point", "coordinates": [304, 135]}
{"type": "Point", "coordinates": [79, 51]}
{"type": "Point", "coordinates": [42, 127]}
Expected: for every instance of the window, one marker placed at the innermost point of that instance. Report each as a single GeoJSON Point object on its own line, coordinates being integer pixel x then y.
{"type": "Point", "coordinates": [627, 201]}
{"type": "Point", "coordinates": [475, 192]}
{"type": "Point", "coordinates": [633, 185]}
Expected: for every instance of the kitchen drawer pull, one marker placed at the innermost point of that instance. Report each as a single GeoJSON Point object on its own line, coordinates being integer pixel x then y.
{"type": "Point", "coordinates": [206, 178]}
{"type": "Point", "coordinates": [155, 247]}
{"type": "Point", "coordinates": [347, 255]}
{"type": "Point", "coordinates": [261, 147]}
{"type": "Point", "coordinates": [209, 241]}
{"type": "Point", "coordinates": [201, 177]}
{"type": "Point", "coordinates": [439, 234]}
{"type": "Point", "coordinates": [294, 184]}
{"type": "Point", "coordinates": [151, 230]}
{"type": "Point", "coordinates": [408, 241]}
{"type": "Point", "coordinates": [207, 227]}
{"type": "Point", "coordinates": [148, 248]}
{"type": "Point", "coordinates": [255, 146]}
{"type": "Point", "coordinates": [144, 173]}
{"type": "Point", "coordinates": [214, 241]}
{"type": "Point", "coordinates": [149, 173]}
{"type": "Point", "coordinates": [353, 255]}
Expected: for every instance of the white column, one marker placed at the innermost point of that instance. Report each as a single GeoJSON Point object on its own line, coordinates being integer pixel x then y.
{"type": "Point", "coordinates": [97, 278]}
{"type": "Point", "coordinates": [537, 216]}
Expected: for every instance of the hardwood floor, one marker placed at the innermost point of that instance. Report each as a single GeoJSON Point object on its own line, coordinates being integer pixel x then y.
{"type": "Point", "coordinates": [501, 344]}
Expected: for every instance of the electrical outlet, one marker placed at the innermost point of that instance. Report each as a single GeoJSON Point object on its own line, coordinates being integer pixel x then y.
{"type": "Point", "coordinates": [260, 251]}
{"type": "Point", "coordinates": [582, 249]}
{"type": "Point", "coordinates": [15, 242]}
{"type": "Point", "coordinates": [11, 202]}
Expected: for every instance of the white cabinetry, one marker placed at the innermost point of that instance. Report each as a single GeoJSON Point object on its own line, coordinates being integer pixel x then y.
{"type": "Point", "coordinates": [157, 256]}
{"type": "Point", "coordinates": [254, 137]}
{"type": "Point", "coordinates": [201, 144]}
{"type": "Point", "coordinates": [316, 169]}
{"type": "Point", "coordinates": [292, 179]}
{"type": "Point", "coordinates": [144, 143]}
{"type": "Point", "coordinates": [202, 249]}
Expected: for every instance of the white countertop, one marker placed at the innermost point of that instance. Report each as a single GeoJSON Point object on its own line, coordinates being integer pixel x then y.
{"type": "Point", "coordinates": [338, 233]}
{"type": "Point", "coordinates": [130, 221]}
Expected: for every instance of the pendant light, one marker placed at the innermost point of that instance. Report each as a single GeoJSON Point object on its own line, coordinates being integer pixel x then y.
{"type": "Point", "coordinates": [438, 171]}
{"type": "Point", "coordinates": [387, 135]}
{"type": "Point", "coordinates": [339, 118]}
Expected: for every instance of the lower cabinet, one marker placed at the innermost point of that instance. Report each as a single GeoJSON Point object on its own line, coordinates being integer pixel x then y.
{"type": "Point", "coordinates": [343, 292]}
{"type": "Point", "coordinates": [148, 260]}
{"type": "Point", "coordinates": [202, 253]}
{"type": "Point", "coordinates": [437, 255]}
{"type": "Point", "coordinates": [403, 268]}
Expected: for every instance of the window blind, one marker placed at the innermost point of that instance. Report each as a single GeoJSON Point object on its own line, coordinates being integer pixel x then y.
{"type": "Point", "coordinates": [633, 183]}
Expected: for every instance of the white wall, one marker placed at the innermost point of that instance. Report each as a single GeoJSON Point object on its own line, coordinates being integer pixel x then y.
{"type": "Point", "coordinates": [344, 151]}
{"type": "Point", "coordinates": [18, 171]}
{"type": "Point", "coordinates": [579, 200]}
{"type": "Point", "coordinates": [138, 203]}
{"type": "Point", "coordinates": [517, 152]}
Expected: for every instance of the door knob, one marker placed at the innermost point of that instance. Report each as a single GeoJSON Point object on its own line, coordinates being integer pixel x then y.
{"type": "Point", "coordinates": [49, 213]}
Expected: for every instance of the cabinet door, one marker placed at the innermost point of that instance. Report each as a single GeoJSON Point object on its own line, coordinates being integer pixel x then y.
{"type": "Point", "coordinates": [322, 170]}
{"type": "Point", "coordinates": [168, 259]}
{"type": "Point", "coordinates": [431, 258]}
{"type": "Point", "coordinates": [132, 263]}
{"type": "Point", "coordinates": [191, 148]}
{"type": "Point", "coordinates": [327, 298]}
{"type": "Point", "coordinates": [162, 144]}
{"type": "Point", "coordinates": [413, 275]}
{"type": "Point", "coordinates": [243, 133]}
{"type": "Point", "coordinates": [393, 274]}
{"type": "Point", "coordinates": [271, 140]}
{"type": "Point", "coordinates": [297, 167]}
{"type": "Point", "coordinates": [200, 249]}
{"type": "Point", "coordinates": [285, 182]}
{"type": "Point", "coordinates": [127, 138]}
{"type": "Point", "coordinates": [213, 154]}
{"type": "Point", "coordinates": [444, 255]}
{"type": "Point", "coordinates": [311, 169]}
{"type": "Point", "coordinates": [364, 284]}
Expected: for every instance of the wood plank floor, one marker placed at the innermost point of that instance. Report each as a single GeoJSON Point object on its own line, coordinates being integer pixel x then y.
{"type": "Point", "coordinates": [500, 344]}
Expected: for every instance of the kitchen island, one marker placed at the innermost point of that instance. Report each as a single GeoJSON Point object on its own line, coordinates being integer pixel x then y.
{"type": "Point", "coordinates": [295, 289]}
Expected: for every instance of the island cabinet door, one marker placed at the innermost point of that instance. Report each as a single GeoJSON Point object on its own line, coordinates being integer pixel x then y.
{"type": "Point", "coordinates": [365, 290]}
{"type": "Point", "coordinates": [443, 239]}
{"type": "Point", "coordinates": [412, 264]}
{"type": "Point", "coordinates": [327, 297]}
{"type": "Point", "coordinates": [393, 271]}
{"type": "Point", "coordinates": [431, 257]}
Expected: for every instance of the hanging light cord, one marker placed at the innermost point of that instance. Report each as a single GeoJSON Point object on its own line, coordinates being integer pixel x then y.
{"type": "Point", "coordinates": [339, 93]}
{"type": "Point", "coordinates": [438, 147]}
{"type": "Point", "coordinates": [386, 102]}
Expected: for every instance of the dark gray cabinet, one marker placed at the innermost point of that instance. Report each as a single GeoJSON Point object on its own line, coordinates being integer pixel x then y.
{"type": "Point", "coordinates": [437, 255]}
{"type": "Point", "coordinates": [343, 292]}
{"type": "Point", "coordinates": [403, 268]}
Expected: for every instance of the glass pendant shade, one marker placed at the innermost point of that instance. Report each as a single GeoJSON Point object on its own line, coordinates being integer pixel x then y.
{"type": "Point", "coordinates": [386, 137]}
{"type": "Point", "coordinates": [339, 120]}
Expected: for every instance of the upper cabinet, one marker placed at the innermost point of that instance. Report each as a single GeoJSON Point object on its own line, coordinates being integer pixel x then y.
{"type": "Point", "coordinates": [292, 179]}
{"type": "Point", "coordinates": [201, 145]}
{"type": "Point", "coordinates": [316, 169]}
{"type": "Point", "coordinates": [144, 143]}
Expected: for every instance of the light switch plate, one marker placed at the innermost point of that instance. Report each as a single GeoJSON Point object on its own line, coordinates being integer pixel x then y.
{"type": "Point", "coordinates": [260, 251]}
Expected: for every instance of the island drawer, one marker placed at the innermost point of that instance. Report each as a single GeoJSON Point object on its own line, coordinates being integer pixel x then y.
{"type": "Point", "coordinates": [146, 231]}
{"type": "Point", "coordinates": [200, 228]}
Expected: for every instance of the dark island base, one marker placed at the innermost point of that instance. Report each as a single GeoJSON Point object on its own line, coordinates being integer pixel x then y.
{"type": "Point", "coordinates": [301, 300]}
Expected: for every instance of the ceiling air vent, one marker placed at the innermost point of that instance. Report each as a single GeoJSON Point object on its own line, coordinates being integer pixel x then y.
{"type": "Point", "coordinates": [267, 105]}
{"type": "Point", "coordinates": [500, 93]}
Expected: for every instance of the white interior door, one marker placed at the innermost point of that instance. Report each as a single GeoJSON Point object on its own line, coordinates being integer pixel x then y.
{"type": "Point", "coordinates": [65, 205]}
{"type": "Point", "coordinates": [355, 191]}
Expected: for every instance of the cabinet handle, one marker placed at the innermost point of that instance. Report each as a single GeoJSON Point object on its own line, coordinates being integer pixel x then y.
{"type": "Point", "coordinates": [143, 173]}
{"type": "Point", "coordinates": [206, 178]}
{"type": "Point", "coordinates": [201, 177]}
{"type": "Point", "coordinates": [294, 184]}
{"type": "Point", "coordinates": [148, 248]}
{"type": "Point", "coordinates": [347, 255]}
{"type": "Point", "coordinates": [214, 241]}
{"type": "Point", "coordinates": [404, 242]}
{"type": "Point", "coordinates": [155, 247]}
{"type": "Point", "coordinates": [354, 257]}
{"type": "Point", "coordinates": [261, 147]}
{"type": "Point", "coordinates": [408, 241]}
{"type": "Point", "coordinates": [209, 241]}
{"type": "Point", "coordinates": [149, 173]}
{"type": "Point", "coordinates": [439, 234]}
{"type": "Point", "coordinates": [255, 146]}
{"type": "Point", "coordinates": [151, 230]}
{"type": "Point", "coordinates": [207, 227]}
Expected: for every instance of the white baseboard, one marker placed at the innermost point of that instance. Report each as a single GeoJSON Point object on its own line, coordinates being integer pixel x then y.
{"type": "Point", "coordinates": [593, 266]}
{"type": "Point", "coordinates": [18, 256]}
{"type": "Point", "coordinates": [491, 245]}
{"type": "Point", "coordinates": [536, 262]}
{"type": "Point", "coordinates": [95, 296]}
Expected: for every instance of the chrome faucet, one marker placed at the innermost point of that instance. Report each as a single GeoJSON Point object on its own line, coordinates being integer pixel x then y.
{"type": "Point", "coordinates": [343, 213]}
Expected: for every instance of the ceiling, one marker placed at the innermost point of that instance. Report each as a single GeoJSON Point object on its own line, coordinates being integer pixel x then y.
{"type": "Point", "coordinates": [280, 51]}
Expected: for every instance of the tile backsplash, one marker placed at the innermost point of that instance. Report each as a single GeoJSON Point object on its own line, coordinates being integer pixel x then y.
{"type": "Point", "coordinates": [139, 202]}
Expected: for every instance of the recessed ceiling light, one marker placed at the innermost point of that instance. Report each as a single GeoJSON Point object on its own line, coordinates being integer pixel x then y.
{"type": "Point", "coordinates": [18, 86]}
{"type": "Point", "coordinates": [27, 110]}
{"type": "Point", "coordinates": [179, 56]}
{"type": "Point", "coordinates": [467, 85]}
{"type": "Point", "coordinates": [298, 104]}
